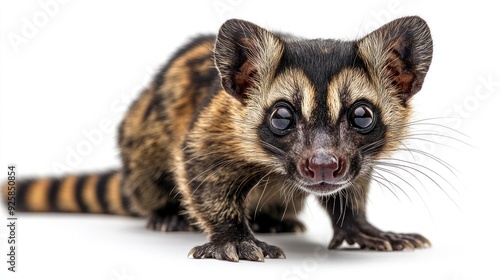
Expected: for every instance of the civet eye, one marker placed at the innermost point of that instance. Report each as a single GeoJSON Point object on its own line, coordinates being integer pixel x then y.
{"type": "Point", "coordinates": [282, 118]}
{"type": "Point", "coordinates": [361, 117]}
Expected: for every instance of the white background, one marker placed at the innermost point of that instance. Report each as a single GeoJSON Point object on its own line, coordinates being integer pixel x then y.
{"type": "Point", "coordinates": [86, 60]}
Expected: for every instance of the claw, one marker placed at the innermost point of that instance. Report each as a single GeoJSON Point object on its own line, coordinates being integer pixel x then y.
{"type": "Point", "coordinates": [191, 253]}
{"type": "Point", "coordinates": [233, 256]}
{"type": "Point", "coordinates": [278, 254]}
{"type": "Point", "coordinates": [337, 240]}
{"type": "Point", "coordinates": [387, 245]}
{"type": "Point", "coordinates": [426, 241]}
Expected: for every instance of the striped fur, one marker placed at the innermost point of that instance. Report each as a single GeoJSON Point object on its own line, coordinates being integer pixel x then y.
{"type": "Point", "coordinates": [200, 151]}
{"type": "Point", "coordinates": [89, 193]}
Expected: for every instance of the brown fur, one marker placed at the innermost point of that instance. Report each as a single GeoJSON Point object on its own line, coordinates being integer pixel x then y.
{"type": "Point", "coordinates": [90, 195]}
{"type": "Point", "coordinates": [113, 196]}
{"type": "Point", "coordinates": [36, 197]}
{"type": "Point", "coordinates": [66, 199]}
{"type": "Point", "coordinates": [193, 144]}
{"type": "Point", "coordinates": [5, 191]}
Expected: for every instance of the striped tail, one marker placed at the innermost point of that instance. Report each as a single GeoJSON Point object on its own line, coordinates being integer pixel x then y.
{"type": "Point", "coordinates": [87, 193]}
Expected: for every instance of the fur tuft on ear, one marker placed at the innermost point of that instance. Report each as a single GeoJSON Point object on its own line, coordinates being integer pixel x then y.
{"type": "Point", "coordinates": [245, 55]}
{"type": "Point", "coordinates": [399, 54]}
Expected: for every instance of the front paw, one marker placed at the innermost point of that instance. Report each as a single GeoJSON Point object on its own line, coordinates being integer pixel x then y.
{"type": "Point", "coordinates": [248, 249]}
{"type": "Point", "coordinates": [374, 239]}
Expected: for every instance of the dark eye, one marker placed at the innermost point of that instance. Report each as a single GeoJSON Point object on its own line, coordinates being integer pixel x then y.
{"type": "Point", "coordinates": [282, 118]}
{"type": "Point", "coordinates": [361, 117]}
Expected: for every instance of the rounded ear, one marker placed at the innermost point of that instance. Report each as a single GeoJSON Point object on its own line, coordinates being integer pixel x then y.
{"type": "Point", "coordinates": [245, 55]}
{"type": "Point", "coordinates": [399, 54]}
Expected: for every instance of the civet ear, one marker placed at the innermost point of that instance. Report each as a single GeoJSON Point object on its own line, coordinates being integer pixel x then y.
{"type": "Point", "coordinates": [244, 55]}
{"type": "Point", "coordinates": [399, 55]}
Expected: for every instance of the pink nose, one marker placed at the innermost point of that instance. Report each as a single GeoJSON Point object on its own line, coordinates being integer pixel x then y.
{"type": "Point", "coordinates": [321, 167]}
